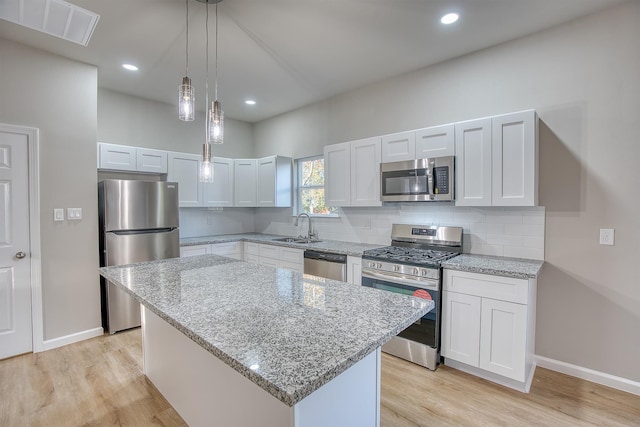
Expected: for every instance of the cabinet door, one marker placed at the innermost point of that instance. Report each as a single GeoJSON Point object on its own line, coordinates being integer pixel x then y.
{"type": "Point", "coordinates": [219, 192]}
{"type": "Point", "coordinates": [117, 157]}
{"type": "Point", "coordinates": [266, 182]}
{"type": "Point", "coordinates": [354, 270]}
{"type": "Point", "coordinates": [184, 169]}
{"type": "Point", "coordinates": [435, 141]}
{"type": "Point", "coordinates": [461, 327]}
{"type": "Point", "coordinates": [186, 251]}
{"type": "Point", "coordinates": [152, 161]}
{"type": "Point", "coordinates": [503, 338]}
{"type": "Point", "coordinates": [398, 147]}
{"type": "Point", "coordinates": [365, 172]}
{"type": "Point", "coordinates": [473, 163]}
{"type": "Point", "coordinates": [244, 182]}
{"type": "Point", "coordinates": [514, 148]}
{"type": "Point", "coordinates": [337, 163]}
{"type": "Point", "coordinates": [228, 249]}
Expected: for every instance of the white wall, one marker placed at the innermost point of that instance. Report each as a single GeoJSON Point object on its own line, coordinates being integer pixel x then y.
{"type": "Point", "coordinates": [582, 78]}
{"type": "Point", "coordinates": [58, 96]}
{"type": "Point", "coordinates": [196, 222]}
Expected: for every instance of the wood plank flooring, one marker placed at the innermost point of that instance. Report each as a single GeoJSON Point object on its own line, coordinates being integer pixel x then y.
{"type": "Point", "coordinates": [99, 382]}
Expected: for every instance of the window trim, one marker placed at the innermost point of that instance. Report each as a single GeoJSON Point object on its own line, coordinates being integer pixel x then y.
{"type": "Point", "coordinates": [298, 188]}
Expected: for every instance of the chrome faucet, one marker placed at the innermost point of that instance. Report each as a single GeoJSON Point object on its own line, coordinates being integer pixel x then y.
{"type": "Point", "coordinates": [310, 235]}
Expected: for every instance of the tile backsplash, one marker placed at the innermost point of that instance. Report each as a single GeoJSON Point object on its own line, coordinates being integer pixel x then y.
{"type": "Point", "coordinates": [510, 232]}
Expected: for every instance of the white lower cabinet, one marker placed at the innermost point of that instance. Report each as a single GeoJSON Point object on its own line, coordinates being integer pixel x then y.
{"type": "Point", "coordinates": [488, 326]}
{"type": "Point", "coordinates": [274, 256]}
{"type": "Point", "coordinates": [228, 249]}
{"type": "Point", "coordinates": [354, 270]}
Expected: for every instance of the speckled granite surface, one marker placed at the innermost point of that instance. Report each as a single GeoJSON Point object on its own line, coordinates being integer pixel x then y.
{"type": "Point", "coordinates": [288, 334]}
{"type": "Point", "coordinates": [333, 246]}
{"type": "Point", "coordinates": [498, 266]}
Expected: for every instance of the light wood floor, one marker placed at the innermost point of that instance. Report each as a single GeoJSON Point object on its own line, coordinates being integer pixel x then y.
{"type": "Point", "coordinates": [100, 382]}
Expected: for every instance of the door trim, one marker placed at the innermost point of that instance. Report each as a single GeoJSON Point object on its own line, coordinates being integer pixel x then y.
{"type": "Point", "coordinates": [33, 152]}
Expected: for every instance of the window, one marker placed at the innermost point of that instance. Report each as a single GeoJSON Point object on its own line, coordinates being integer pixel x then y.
{"type": "Point", "coordinates": [310, 185]}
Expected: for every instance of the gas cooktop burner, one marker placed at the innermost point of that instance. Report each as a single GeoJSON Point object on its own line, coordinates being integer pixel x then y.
{"type": "Point", "coordinates": [412, 256]}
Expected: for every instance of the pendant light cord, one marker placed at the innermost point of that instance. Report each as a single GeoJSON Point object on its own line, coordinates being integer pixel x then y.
{"type": "Point", "coordinates": [216, 85]}
{"type": "Point", "coordinates": [206, 105]}
{"type": "Point", "coordinates": [187, 45]}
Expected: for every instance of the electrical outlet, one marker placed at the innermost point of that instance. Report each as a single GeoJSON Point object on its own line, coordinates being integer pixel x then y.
{"type": "Point", "coordinates": [74, 213]}
{"type": "Point", "coordinates": [607, 236]}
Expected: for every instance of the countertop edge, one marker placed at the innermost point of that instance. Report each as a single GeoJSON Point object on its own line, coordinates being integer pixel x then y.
{"type": "Point", "coordinates": [518, 268]}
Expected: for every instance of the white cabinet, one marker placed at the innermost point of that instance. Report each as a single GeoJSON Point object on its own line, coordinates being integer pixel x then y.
{"type": "Point", "coordinates": [488, 326]}
{"type": "Point", "coordinates": [274, 181]}
{"type": "Point", "coordinates": [244, 182]}
{"type": "Point", "coordinates": [186, 251]}
{"type": "Point", "coordinates": [435, 141]}
{"type": "Point", "coordinates": [497, 160]}
{"type": "Point", "coordinates": [354, 270]}
{"type": "Point", "coordinates": [131, 159]}
{"type": "Point", "coordinates": [398, 147]}
{"type": "Point", "coordinates": [352, 173]}
{"type": "Point", "coordinates": [274, 256]}
{"type": "Point", "coordinates": [337, 176]}
{"type": "Point", "coordinates": [185, 169]}
{"type": "Point", "coordinates": [219, 193]}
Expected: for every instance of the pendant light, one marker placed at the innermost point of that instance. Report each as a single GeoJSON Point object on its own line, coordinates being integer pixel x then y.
{"type": "Point", "coordinates": [216, 115]}
{"type": "Point", "coordinates": [206, 167]}
{"type": "Point", "coordinates": [186, 95]}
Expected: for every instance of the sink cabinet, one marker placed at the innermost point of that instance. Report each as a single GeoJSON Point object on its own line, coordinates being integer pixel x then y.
{"type": "Point", "coordinates": [488, 326]}
{"type": "Point", "coordinates": [274, 256]}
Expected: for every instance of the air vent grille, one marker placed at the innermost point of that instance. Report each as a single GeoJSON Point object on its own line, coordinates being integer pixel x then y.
{"type": "Point", "coordinates": [55, 17]}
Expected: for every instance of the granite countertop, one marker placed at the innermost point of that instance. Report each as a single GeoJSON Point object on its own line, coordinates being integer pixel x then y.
{"type": "Point", "coordinates": [498, 266]}
{"type": "Point", "coordinates": [333, 246]}
{"type": "Point", "coordinates": [287, 333]}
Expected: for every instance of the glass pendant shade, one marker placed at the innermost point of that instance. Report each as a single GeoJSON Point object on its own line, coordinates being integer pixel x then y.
{"type": "Point", "coordinates": [186, 101]}
{"type": "Point", "coordinates": [216, 123]}
{"type": "Point", "coordinates": [206, 167]}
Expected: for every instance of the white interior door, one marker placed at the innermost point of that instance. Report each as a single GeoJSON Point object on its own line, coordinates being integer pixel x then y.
{"type": "Point", "coordinates": [15, 288]}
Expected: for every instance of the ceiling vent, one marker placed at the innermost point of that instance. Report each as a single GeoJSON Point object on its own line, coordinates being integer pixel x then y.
{"type": "Point", "coordinates": [55, 17]}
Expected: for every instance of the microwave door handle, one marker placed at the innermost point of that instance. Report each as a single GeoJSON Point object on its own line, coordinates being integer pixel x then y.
{"type": "Point", "coordinates": [430, 182]}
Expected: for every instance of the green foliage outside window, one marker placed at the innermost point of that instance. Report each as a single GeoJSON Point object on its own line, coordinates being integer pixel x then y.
{"type": "Point", "coordinates": [311, 187]}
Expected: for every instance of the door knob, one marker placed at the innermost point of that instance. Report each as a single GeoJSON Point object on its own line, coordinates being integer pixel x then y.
{"type": "Point", "coordinates": [20, 255]}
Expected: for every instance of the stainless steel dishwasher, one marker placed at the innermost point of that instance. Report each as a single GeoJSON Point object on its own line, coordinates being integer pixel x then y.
{"type": "Point", "coordinates": [323, 264]}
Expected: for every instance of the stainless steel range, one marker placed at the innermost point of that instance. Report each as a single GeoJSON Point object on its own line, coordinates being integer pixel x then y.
{"type": "Point", "coordinates": [412, 265]}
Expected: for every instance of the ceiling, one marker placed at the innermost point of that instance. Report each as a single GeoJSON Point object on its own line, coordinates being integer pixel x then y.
{"type": "Point", "coordinates": [285, 54]}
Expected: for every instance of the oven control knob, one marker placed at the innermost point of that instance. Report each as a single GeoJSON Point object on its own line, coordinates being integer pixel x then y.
{"type": "Point", "coordinates": [424, 272]}
{"type": "Point", "coordinates": [372, 264]}
{"type": "Point", "coordinates": [379, 265]}
{"type": "Point", "coordinates": [396, 268]}
{"type": "Point", "coordinates": [416, 271]}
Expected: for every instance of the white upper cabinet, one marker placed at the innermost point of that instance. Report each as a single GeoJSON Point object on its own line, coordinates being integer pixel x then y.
{"type": "Point", "coordinates": [365, 172]}
{"type": "Point", "coordinates": [515, 159]}
{"type": "Point", "coordinates": [151, 161]}
{"type": "Point", "coordinates": [245, 194]}
{"type": "Point", "coordinates": [117, 157]}
{"type": "Point", "coordinates": [185, 170]}
{"type": "Point", "coordinates": [352, 173]}
{"type": "Point", "coordinates": [131, 159]}
{"type": "Point", "coordinates": [275, 181]}
{"type": "Point", "coordinates": [473, 162]}
{"type": "Point", "coordinates": [497, 160]}
{"type": "Point", "coordinates": [436, 141]}
{"type": "Point", "coordinates": [398, 147]}
{"type": "Point", "coordinates": [337, 177]}
{"type": "Point", "coordinates": [219, 193]}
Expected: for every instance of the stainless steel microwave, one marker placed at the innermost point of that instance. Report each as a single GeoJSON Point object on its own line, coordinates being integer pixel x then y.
{"type": "Point", "coordinates": [421, 180]}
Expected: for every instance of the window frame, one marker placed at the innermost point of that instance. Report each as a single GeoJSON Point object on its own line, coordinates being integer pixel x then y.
{"type": "Point", "coordinates": [297, 203]}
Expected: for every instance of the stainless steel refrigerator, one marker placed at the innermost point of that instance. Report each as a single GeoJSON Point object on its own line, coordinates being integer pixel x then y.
{"type": "Point", "coordinates": [138, 222]}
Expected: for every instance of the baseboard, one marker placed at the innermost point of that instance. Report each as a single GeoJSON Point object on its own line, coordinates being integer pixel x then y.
{"type": "Point", "coordinates": [597, 377]}
{"type": "Point", "coordinates": [70, 339]}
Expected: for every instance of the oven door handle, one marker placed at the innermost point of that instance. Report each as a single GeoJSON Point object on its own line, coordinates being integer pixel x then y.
{"type": "Point", "coordinates": [431, 285]}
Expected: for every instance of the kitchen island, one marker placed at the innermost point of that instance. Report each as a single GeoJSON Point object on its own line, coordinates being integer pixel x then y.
{"type": "Point", "coordinates": [234, 344]}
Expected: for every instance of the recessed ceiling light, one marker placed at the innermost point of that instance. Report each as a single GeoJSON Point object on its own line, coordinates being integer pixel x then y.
{"type": "Point", "coordinates": [250, 102]}
{"type": "Point", "coordinates": [449, 18]}
{"type": "Point", "coordinates": [130, 67]}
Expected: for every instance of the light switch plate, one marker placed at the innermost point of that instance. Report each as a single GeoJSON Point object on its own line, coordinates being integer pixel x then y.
{"type": "Point", "coordinates": [58, 214]}
{"type": "Point", "coordinates": [74, 213]}
{"type": "Point", "coordinates": [607, 236]}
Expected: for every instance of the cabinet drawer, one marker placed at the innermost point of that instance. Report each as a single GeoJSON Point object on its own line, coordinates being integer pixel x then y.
{"type": "Point", "coordinates": [231, 248]}
{"type": "Point", "coordinates": [252, 259]}
{"type": "Point", "coordinates": [292, 255]}
{"type": "Point", "coordinates": [487, 286]}
{"type": "Point", "coordinates": [186, 251]}
{"type": "Point", "coordinates": [268, 251]}
{"type": "Point", "coordinates": [293, 266]}
{"type": "Point", "coordinates": [252, 248]}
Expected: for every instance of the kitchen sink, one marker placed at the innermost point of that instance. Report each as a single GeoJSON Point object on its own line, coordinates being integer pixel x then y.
{"type": "Point", "coordinates": [296, 240]}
